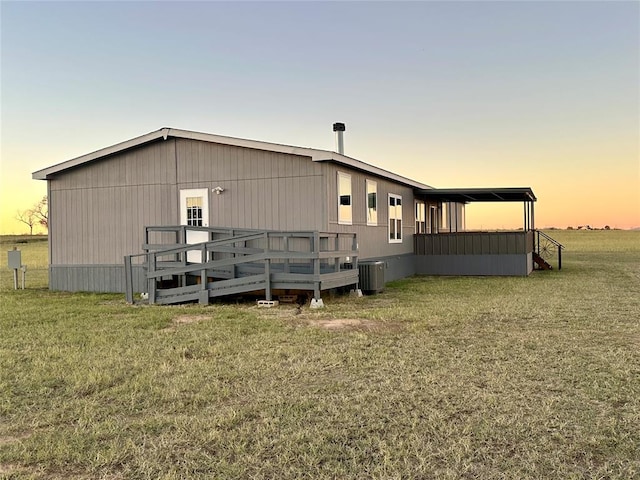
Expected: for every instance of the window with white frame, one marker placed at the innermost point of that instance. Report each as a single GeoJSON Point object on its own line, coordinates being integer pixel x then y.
{"type": "Point", "coordinates": [395, 218]}
{"type": "Point", "coordinates": [345, 214]}
{"type": "Point", "coordinates": [372, 202]}
{"type": "Point", "coordinates": [194, 211]}
{"type": "Point", "coordinates": [421, 220]}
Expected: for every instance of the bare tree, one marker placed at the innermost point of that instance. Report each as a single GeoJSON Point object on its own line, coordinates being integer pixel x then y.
{"type": "Point", "coordinates": [36, 215]}
{"type": "Point", "coordinates": [28, 218]}
{"type": "Point", "coordinates": [41, 212]}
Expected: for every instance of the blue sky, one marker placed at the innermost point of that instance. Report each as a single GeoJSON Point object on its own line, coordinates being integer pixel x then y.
{"type": "Point", "coordinates": [454, 94]}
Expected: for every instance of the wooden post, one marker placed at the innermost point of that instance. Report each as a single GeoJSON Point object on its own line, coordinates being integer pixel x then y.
{"type": "Point", "coordinates": [267, 278]}
{"type": "Point", "coordinates": [316, 265]}
{"type": "Point", "coordinates": [203, 271]}
{"type": "Point", "coordinates": [286, 258]}
{"type": "Point", "coordinates": [151, 281]}
{"type": "Point", "coordinates": [128, 279]}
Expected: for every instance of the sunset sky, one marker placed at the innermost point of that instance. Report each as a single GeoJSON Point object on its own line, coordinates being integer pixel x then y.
{"type": "Point", "coordinates": [452, 94]}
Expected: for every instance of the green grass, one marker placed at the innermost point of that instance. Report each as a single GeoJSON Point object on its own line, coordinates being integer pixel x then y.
{"type": "Point", "coordinates": [437, 377]}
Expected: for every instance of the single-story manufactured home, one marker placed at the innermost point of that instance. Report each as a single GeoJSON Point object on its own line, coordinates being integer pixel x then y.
{"type": "Point", "coordinates": [173, 212]}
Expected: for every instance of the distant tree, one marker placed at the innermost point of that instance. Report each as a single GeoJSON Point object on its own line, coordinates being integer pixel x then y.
{"type": "Point", "coordinates": [41, 212]}
{"type": "Point", "coordinates": [569, 227]}
{"type": "Point", "coordinates": [36, 215]}
{"type": "Point", "coordinates": [607, 227]}
{"type": "Point", "coordinates": [28, 218]}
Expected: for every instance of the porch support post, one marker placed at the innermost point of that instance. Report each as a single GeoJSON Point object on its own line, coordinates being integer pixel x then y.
{"type": "Point", "coordinates": [533, 223]}
{"type": "Point", "coordinates": [316, 265]}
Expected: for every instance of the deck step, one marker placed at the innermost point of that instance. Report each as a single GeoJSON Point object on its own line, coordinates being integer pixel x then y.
{"type": "Point", "coordinates": [541, 262]}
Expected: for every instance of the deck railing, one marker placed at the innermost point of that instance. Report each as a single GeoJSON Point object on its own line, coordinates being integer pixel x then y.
{"type": "Point", "coordinates": [474, 243]}
{"type": "Point", "coordinates": [234, 261]}
{"type": "Point", "coordinates": [546, 247]}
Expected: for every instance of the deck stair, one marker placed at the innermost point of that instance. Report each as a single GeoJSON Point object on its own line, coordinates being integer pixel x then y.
{"type": "Point", "coordinates": [544, 249]}
{"type": "Point", "coordinates": [235, 261]}
{"type": "Point", "coordinates": [541, 262]}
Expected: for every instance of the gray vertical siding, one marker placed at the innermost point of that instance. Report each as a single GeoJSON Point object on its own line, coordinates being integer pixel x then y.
{"type": "Point", "coordinates": [474, 243]}
{"type": "Point", "coordinates": [474, 253]}
{"type": "Point", "coordinates": [98, 211]}
{"type": "Point", "coordinates": [262, 189]}
{"type": "Point", "coordinates": [489, 264]}
{"type": "Point", "coordinates": [373, 240]}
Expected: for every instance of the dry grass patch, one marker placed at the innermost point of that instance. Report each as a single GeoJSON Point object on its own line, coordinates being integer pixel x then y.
{"type": "Point", "coordinates": [350, 319]}
{"type": "Point", "coordinates": [189, 319]}
{"type": "Point", "coordinates": [185, 319]}
{"type": "Point", "coordinates": [344, 324]}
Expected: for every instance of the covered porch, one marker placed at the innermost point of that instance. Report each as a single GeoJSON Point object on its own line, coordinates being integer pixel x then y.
{"type": "Point", "coordinates": [449, 249]}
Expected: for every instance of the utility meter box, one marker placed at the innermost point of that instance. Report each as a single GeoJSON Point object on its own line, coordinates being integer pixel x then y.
{"type": "Point", "coordinates": [14, 259]}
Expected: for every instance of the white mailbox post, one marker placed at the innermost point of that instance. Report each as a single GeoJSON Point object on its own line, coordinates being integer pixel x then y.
{"type": "Point", "coordinates": [14, 261]}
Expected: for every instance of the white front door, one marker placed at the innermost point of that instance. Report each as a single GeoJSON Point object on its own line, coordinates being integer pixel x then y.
{"type": "Point", "coordinates": [194, 212]}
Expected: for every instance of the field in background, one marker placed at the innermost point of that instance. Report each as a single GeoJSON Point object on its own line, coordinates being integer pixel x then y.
{"type": "Point", "coordinates": [438, 377]}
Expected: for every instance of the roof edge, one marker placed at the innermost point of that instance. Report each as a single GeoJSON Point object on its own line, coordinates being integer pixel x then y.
{"type": "Point", "coordinates": [482, 194]}
{"type": "Point", "coordinates": [316, 155]}
{"type": "Point", "coordinates": [46, 173]}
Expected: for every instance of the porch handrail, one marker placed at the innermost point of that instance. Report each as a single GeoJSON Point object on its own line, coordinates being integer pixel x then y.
{"type": "Point", "coordinates": [261, 253]}
{"type": "Point", "coordinates": [553, 241]}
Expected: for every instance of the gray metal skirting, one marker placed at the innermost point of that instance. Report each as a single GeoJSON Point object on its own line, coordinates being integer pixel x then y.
{"type": "Point", "coordinates": [111, 278]}
{"type": "Point", "coordinates": [506, 265]}
{"type": "Point", "coordinates": [396, 266]}
{"type": "Point", "coordinates": [94, 278]}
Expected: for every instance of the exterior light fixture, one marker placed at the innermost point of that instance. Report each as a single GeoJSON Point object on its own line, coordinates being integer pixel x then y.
{"type": "Point", "coordinates": [218, 190]}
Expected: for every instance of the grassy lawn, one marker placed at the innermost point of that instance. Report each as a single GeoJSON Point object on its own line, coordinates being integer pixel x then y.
{"type": "Point", "coordinates": [437, 377]}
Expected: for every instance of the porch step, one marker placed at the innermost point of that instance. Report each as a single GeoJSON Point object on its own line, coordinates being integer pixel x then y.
{"type": "Point", "coordinates": [541, 262]}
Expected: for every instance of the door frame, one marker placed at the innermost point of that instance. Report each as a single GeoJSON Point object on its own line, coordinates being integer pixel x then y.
{"type": "Point", "coordinates": [194, 236]}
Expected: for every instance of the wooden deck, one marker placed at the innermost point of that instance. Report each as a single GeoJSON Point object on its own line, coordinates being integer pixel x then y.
{"type": "Point", "coordinates": [236, 261]}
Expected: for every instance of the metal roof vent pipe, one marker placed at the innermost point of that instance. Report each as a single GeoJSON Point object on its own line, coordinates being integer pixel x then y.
{"type": "Point", "coordinates": [339, 128]}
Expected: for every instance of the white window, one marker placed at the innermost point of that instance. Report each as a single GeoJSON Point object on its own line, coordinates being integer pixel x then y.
{"type": "Point", "coordinates": [194, 211]}
{"type": "Point", "coordinates": [372, 202]}
{"type": "Point", "coordinates": [421, 221]}
{"type": "Point", "coordinates": [395, 218]}
{"type": "Point", "coordinates": [345, 215]}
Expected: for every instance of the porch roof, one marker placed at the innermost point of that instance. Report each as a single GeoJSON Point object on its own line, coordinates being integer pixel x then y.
{"type": "Point", "coordinates": [467, 195]}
